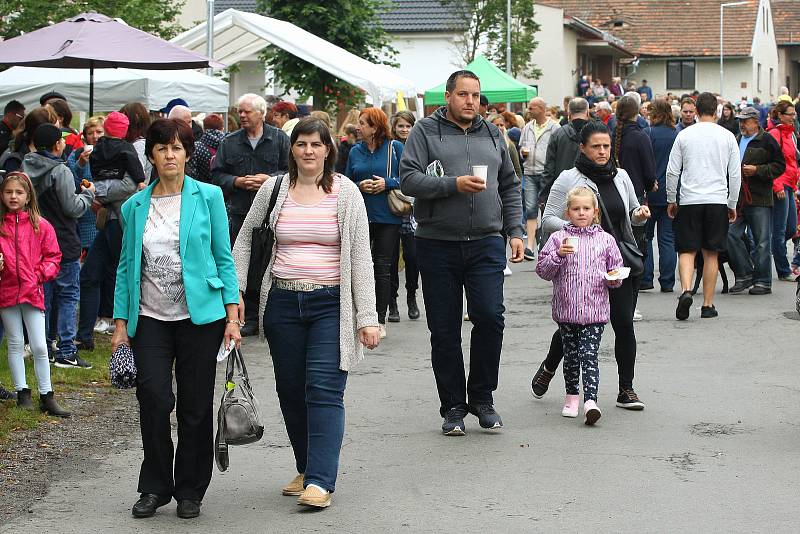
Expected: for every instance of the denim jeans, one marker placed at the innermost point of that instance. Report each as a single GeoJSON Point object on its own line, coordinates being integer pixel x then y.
{"type": "Point", "coordinates": [784, 224]}
{"type": "Point", "coordinates": [63, 293]}
{"type": "Point", "coordinates": [13, 318]}
{"type": "Point", "coordinates": [410, 261]}
{"type": "Point", "coordinates": [755, 267]}
{"type": "Point", "coordinates": [449, 268]}
{"type": "Point", "coordinates": [532, 186]}
{"type": "Point", "coordinates": [98, 277]}
{"type": "Point", "coordinates": [661, 224]}
{"type": "Point", "coordinates": [302, 329]}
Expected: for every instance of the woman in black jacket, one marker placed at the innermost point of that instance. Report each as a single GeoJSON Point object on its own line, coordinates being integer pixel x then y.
{"type": "Point", "coordinates": [728, 119]}
{"type": "Point", "coordinates": [631, 148]}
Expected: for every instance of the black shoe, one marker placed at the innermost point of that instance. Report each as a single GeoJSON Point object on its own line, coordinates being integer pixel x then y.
{"type": "Point", "coordinates": [487, 416]}
{"type": "Point", "coordinates": [708, 312]}
{"type": "Point", "coordinates": [541, 381]}
{"type": "Point", "coordinates": [454, 421]}
{"type": "Point", "coordinates": [684, 305]}
{"type": "Point", "coordinates": [740, 286]}
{"type": "Point", "coordinates": [48, 405]}
{"type": "Point", "coordinates": [667, 290]}
{"type": "Point", "coordinates": [394, 313]}
{"type": "Point", "coordinates": [75, 362]}
{"type": "Point", "coordinates": [529, 254]}
{"type": "Point", "coordinates": [85, 345]}
{"type": "Point", "coordinates": [413, 309]}
{"type": "Point", "coordinates": [760, 290]}
{"type": "Point", "coordinates": [188, 509]}
{"type": "Point", "coordinates": [24, 399]}
{"type": "Point", "coordinates": [250, 328]}
{"type": "Point", "coordinates": [629, 400]}
{"type": "Point", "coordinates": [6, 394]}
{"type": "Point", "coordinates": [645, 287]}
{"type": "Point", "coordinates": [147, 505]}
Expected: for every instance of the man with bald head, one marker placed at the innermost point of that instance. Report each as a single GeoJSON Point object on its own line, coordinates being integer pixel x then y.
{"type": "Point", "coordinates": [533, 147]}
{"type": "Point", "coordinates": [182, 113]}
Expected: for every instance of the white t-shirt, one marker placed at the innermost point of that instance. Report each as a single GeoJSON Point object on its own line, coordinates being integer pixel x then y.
{"type": "Point", "coordinates": [163, 294]}
{"type": "Point", "coordinates": [705, 158]}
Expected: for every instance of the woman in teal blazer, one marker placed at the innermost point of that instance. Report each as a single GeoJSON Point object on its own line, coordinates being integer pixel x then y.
{"type": "Point", "coordinates": [176, 300]}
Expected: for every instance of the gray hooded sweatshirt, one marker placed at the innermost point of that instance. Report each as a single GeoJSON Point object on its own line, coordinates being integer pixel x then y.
{"type": "Point", "coordinates": [440, 210]}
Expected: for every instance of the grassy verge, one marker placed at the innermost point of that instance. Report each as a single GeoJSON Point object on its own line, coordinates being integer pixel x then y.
{"type": "Point", "coordinates": [64, 380]}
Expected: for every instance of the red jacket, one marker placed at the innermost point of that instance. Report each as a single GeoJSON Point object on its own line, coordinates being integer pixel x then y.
{"type": "Point", "coordinates": [784, 135]}
{"type": "Point", "coordinates": [29, 260]}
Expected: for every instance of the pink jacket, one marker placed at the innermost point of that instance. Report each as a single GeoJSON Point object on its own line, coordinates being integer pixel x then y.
{"type": "Point", "coordinates": [29, 260]}
{"type": "Point", "coordinates": [580, 291]}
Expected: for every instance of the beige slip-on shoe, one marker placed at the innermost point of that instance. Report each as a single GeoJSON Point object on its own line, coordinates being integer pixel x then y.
{"type": "Point", "coordinates": [295, 487]}
{"type": "Point", "coordinates": [314, 497]}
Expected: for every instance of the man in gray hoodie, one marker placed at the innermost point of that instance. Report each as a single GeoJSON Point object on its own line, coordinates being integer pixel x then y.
{"type": "Point", "coordinates": [462, 221]}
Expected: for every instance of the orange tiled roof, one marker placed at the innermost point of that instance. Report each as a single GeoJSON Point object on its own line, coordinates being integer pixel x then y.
{"type": "Point", "coordinates": [785, 16]}
{"type": "Point", "coordinates": [668, 29]}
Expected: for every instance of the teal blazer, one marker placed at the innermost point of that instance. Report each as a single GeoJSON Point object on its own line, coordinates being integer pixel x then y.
{"type": "Point", "coordinates": [209, 275]}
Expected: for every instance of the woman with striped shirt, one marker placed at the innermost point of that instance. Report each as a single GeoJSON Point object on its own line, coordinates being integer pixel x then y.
{"type": "Point", "coordinates": [317, 302]}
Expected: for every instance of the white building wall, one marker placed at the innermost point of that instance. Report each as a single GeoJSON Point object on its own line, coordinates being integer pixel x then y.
{"type": "Point", "coordinates": [192, 13]}
{"type": "Point", "coordinates": [738, 71]}
{"type": "Point", "coordinates": [426, 58]}
{"type": "Point", "coordinates": [764, 52]}
{"type": "Point", "coordinates": [556, 56]}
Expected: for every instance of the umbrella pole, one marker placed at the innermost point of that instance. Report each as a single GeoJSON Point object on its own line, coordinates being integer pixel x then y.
{"type": "Point", "coordinates": [91, 88]}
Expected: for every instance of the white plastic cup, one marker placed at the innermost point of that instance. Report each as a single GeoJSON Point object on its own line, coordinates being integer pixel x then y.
{"type": "Point", "coordinates": [88, 148]}
{"type": "Point", "coordinates": [573, 242]}
{"type": "Point", "coordinates": [481, 171]}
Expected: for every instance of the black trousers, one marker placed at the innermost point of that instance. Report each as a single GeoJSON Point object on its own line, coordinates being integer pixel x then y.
{"type": "Point", "coordinates": [193, 350]}
{"type": "Point", "coordinates": [250, 298]}
{"type": "Point", "coordinates": [623, 303]}
{"type": "Point", "coordinates": [384, 240]}
{"type": "Point", "coordinates": [410, 260]}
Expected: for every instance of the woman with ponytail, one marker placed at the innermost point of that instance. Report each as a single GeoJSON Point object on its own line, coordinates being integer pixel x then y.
{"type": "Point", "coordinates": [632, 149]}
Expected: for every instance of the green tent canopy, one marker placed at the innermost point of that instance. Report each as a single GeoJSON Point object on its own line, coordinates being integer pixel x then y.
{"type": "Point", "coordinates": [495, 84]}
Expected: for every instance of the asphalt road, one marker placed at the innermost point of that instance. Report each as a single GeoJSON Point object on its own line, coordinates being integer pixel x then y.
{"type": "Point", "coordinates": [714, 451]}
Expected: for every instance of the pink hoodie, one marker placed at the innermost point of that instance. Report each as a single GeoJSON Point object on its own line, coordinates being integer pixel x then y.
{"type": "Point", "coordinates": [580, 291]}
{"type": "Point", "coordinates": [29, 260]}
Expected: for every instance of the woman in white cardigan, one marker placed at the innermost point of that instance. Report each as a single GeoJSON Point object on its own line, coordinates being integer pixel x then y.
{"type": "Point", "coordinates": [317, 303]}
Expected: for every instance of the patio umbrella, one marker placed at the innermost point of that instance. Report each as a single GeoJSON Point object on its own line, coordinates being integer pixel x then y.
{"type": "Point", "coordinates": [93, 40]}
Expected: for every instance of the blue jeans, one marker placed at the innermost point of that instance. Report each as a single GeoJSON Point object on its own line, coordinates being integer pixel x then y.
{"type": "Point", "coordinates": [784, 223]}
{"type": "Point", "coordinates": [302, 329]}
{"type": "Point", "coordinates": [532, 185]}
{"type": "Point", "coordinates": [449, 268]}
{"type": "Point", "coordinates": [64, 294]}
{"type": "Point", "coordinates": [755, 267]}
{"type": "Point", "coordinates": [660, 223]}
{"type": "Point", "coordinates": [98, 277]}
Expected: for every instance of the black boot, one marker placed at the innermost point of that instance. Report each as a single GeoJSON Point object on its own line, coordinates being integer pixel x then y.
{"type": "Point", "coordinates": [394, 313]}
{"type": "Point", "coordinates": [6, 394]}
{"type": "Point", "coordinates": [48, 405]}
{"type": "Point", "coordinates": [24, 399]}
{"type": "Point", "coordinates": [413, 309]}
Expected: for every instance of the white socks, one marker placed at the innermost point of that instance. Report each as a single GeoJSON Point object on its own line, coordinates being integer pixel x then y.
{"type": "Point", "coordinates": [322, 490]}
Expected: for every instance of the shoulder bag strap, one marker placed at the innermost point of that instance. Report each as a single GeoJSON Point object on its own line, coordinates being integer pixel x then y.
{"type": "Point", "coordinates": [389, 161]}
{"type": "Point", "coordinates": [272, 200]}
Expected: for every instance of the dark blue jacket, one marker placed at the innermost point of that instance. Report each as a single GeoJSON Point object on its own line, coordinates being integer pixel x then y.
{"type": "Point", "coordinates": [662, 138]}
{"type": "Point", "coordinates": [636, 156]}
{"type": "Point", "coordinates": [363, 164]}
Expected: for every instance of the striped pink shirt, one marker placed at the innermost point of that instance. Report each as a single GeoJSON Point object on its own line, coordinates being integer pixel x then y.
{"type": "Point", "coordinates": [308, 241]}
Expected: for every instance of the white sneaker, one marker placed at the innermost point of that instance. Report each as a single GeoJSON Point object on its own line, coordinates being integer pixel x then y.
{"type": "Point", "coordinates": [27, 352]}
{"type": "Point", "coordinates": [101, 326]}
{"type": "Point", "coordinates": [507, 271]}
{"type": "Point", "coordinates": [637, 315]}
{"type": "Point", "coordinates": [382, 328]}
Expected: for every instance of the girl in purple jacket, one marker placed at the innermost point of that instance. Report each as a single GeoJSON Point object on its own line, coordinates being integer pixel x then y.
{"type": "Point", "coordinates": [582, 261]}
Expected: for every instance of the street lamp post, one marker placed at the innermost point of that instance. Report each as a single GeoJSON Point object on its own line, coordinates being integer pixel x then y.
{"type": "Point", "coordinates": [721, 42]}
{"type": "Point", "coordinates": [210, 34]}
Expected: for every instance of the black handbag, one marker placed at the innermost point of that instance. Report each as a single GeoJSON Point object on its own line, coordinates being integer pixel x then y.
{"type": "Point", "coordinates": [261, 247]}
{"type": "Point", "coordinates": [632, 257]}
{"type": "Point", "coordinates": [239, 417]}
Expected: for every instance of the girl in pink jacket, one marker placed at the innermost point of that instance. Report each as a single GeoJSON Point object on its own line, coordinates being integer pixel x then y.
{"type": "Point", "coordinates": [29, 257]}
{"type": "Point", "coordinates": [578, 259]}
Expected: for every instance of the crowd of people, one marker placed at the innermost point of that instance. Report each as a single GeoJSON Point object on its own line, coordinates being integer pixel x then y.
{"type": "Point", "coordinates": [141, 225]}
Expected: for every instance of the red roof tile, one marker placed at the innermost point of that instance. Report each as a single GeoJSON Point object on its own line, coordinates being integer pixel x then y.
{"type": "Point", "coordinates": [786, 17]}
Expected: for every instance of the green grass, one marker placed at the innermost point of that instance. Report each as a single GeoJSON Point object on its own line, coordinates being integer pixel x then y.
{"type": "Point", "coordinates": [64, 380]}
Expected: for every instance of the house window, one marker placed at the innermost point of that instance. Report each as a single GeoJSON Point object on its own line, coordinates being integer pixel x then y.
{"type": "Point", "coordinates": [680, 74]}
{"type": "Point", "coordinates": [758, 78]}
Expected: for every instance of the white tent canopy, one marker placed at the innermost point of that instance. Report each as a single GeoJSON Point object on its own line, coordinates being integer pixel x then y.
{"type": "Point", "coordinates": [238, 35]}
{"type": "Point", "coordinates": [113, 88]}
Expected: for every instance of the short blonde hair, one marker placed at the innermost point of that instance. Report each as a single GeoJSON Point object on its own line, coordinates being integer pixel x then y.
{"type": "Point", "coordinates": [584, 192]}
{"type": "Point", "coordinates": [93, 122]}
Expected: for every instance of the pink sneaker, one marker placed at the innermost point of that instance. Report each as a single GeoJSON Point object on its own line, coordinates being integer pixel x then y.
{"type": "Point", "coordinates": [571, 403]}
{"type": "Point", "coordinates": [591, 412]}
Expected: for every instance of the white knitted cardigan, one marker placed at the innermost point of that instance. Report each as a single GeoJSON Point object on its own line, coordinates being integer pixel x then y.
{"type": "Point", "coordinates": [357, 284]}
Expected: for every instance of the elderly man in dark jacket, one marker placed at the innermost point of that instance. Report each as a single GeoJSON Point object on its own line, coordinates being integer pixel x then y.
{"type": "Point", "coordinates": [244, 161]}
{"type": "Point", "coordinates": [762, 162]}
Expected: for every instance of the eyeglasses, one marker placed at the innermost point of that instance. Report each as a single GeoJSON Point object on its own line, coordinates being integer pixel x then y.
{"type": "Point", "coordinates": [789, 114]}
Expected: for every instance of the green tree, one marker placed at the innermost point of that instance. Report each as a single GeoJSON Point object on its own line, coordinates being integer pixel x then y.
{"type": "Point", "coordinates": [153, 16]}
{"type": "Point", "coordinates": [350, 24]}
{"type": "Point", "coordinates": [486, 33]}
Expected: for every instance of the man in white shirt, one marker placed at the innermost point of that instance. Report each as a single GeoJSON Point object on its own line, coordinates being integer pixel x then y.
{"type": "Point", "coordinates": [705, 159]}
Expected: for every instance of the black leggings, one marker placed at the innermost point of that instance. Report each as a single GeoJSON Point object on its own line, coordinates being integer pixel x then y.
{"type": "Point", "coordinates": [384, 240]}
{"type": "Point", "coordinates": [623, 303]}
{"type": "Point", "coordinates": [410, 260]}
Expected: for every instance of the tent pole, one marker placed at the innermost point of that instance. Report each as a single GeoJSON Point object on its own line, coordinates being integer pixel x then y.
{"type": "Point", "coordinates": [91, 88]}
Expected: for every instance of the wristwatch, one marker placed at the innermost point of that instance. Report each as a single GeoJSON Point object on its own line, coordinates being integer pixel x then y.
{"type": "Point", "coordinates": [234, 321]}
